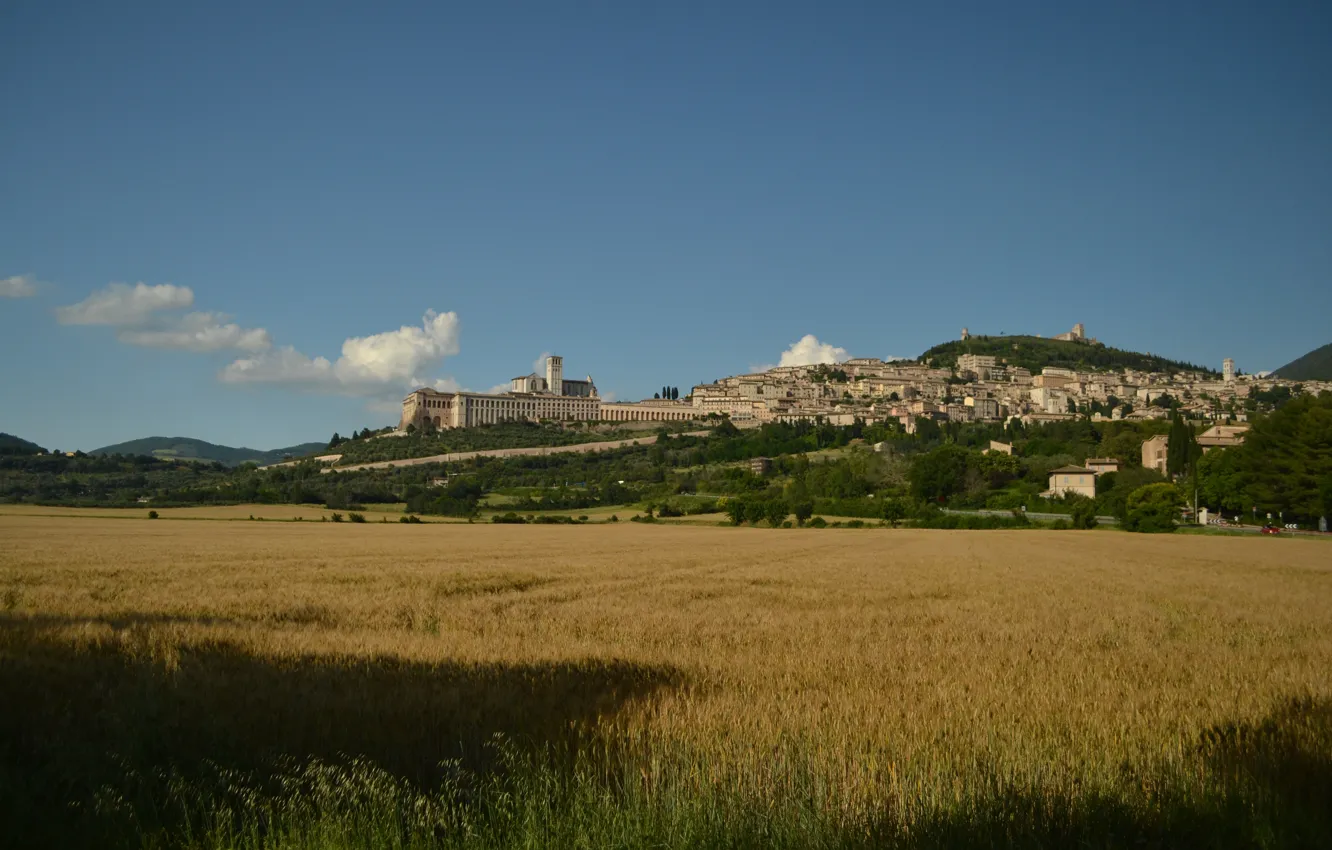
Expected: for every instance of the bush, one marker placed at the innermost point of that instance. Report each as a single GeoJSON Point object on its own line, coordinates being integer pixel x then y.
{"type": "Point", "coordinates": [707, 506]}
{"type": "Point", "coordinates": [803, 510]}
{"type": "Point", "coordinates": [856, 523]}
{"type": "Point", "coordinates": [356, 517]}
{"type": "Point", "coordinates": [818, 522]}
{"type": "Point", "coordinates": [1060, 525]}
{"type": "Point", "coordinates": [1151, 509]}
{"type": "Point", "coordinates": [1084, 514]}
{"type": "Point", "coordinates": [736, 510]}
{"type": "Point", "coordinates": [973, 522]}
{"type": "Point", "coordinates": [337, 517]}
{"type": "Point", "coordinates": [510, 518]}
{"type": "Point", "coordinates": [893, 511]}
{"type": "Point", "coordinates": [410, 519]}
{"type": "Point", "coordinates": [152, 514]}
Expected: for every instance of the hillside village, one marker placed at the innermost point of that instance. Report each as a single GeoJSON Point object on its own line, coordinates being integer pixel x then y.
{"type": "Point", "coordinates": [986, 388]}
{"type": "Point", "coordinates": [976, 379]}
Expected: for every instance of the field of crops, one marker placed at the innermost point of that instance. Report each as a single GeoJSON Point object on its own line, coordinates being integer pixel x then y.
{"type": "Point", "coordinates": [236, 684]}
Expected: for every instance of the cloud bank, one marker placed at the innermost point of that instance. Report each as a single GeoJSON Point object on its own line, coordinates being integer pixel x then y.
{"type": "Point", "coordinates": [369, 365]}
{"type": "Point", "coordinates": [808, 351]}
{"type": "Point", "coordinates": [200, 332]}
{"type": "Point", "coordinates": [145, 316]}
{"type": "Point", "coordinates": [120, 304]}
{"type": "Point", "coordinates": [18, 286]}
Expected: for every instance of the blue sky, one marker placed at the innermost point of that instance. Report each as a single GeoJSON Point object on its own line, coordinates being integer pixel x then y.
{"type": "Point", "coordinates": [662, 193]}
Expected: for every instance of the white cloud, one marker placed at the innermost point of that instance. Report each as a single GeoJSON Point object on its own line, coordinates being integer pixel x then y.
{"type": "Point", "coordinates": [609, 396]}
{"type": "Point", "coordinates": [123, 305]}
{"type": "Point", "coordinates": [808, 351]}
{"type": "Point", "coordinates": [369, 365]}
{"type": "Point", "coordinates": [18, 286]}
{"type": "Point", "coordinates": [199, 332]}
{"type": "Point", "coordinates": [539, 364]}
{"type": "Point", "coordinates": [144, 315]}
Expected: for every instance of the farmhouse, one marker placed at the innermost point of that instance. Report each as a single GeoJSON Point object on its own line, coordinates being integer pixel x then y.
{"type": "Point", "coordinates": [1072, 479]}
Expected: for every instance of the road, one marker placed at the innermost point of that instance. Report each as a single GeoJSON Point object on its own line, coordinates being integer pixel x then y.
{"type": "Point", "coordinates": [1103, 520]}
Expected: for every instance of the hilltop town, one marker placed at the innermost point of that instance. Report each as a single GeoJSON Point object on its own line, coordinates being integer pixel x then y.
{"type": "Point", "coordinates": [949, 383]}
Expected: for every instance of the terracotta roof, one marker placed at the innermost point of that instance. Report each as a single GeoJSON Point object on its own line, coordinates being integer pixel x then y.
{"type": "Point", "coordinates": [1071, 469]}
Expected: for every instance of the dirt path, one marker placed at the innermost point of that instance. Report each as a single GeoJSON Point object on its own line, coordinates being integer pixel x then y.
{"type": "Point", "coordinates": [577, 448]}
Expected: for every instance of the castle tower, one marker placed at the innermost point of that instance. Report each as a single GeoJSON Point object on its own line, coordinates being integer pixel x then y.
{"type": "Point", "coordinates": [555, 375]}
{"type": "Point", "coordinates": [965, 334]}
{"type": "Point", "coordinates": [1079, 331]}
{"type": "Point", "coordinates": [1228, 370]}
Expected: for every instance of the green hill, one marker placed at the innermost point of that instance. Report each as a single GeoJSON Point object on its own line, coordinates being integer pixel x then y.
{"type": "Point", "coordinates": [185, 448]}
{"type": "Point", "coordinates": [1314, 366]}
{"type": "Point", "coordinates": [1035, 353]}
{"type": "Point", "coordinates": [11, 445]}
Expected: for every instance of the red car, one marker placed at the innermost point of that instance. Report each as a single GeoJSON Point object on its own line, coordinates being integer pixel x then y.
{"type": "Point", "coordinates": [1271, 529]}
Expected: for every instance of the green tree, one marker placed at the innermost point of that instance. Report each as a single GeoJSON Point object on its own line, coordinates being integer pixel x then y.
{"type": "Point", "coordinates": [1152, 509]}
{"type": "Point", "coordinates": [927, 430]}
{"type": "Point", "coordinates": [776, 511]}
{"type": "Point", "coordinates": [803, 510]}
{"type": "Point", "coordinates": [1221, 482]}
{"type": "Point", "coordinates": [1182, 449]}
{"type": "Point", "coordinates": [938, 473]}
{"type": "Point", "coordinates": [1287, 455]}
{"type": "Point", "coordinates": [893, 511]}
{"type": "Point", "coordinates": [1084, 513]}
{"type": "Point", "coordinates": [736, 511]}
{"type": "Point", "coordinates": [755, 511]}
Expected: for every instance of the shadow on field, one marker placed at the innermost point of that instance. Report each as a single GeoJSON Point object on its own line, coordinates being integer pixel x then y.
{"type": "Point", "coordinates": [76, 718]}
{"type": "Point", "coordinates": [1266, 784]}
{"type": "Point", "coordinates": [117, 714]}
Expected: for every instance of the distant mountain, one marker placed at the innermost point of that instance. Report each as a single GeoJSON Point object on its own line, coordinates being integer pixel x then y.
{"type": "Point", "coordinates": [1035, 353]}
{"type": "Point", "coordinates": [1314, 366]}
{"type": "Point", "coordinates": [11, 445]}
{"type": "Point", "coordinates": [185, 448]}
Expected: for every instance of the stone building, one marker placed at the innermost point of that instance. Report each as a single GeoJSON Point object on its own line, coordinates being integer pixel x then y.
{"type": "Point", "coordinates": [1154, 453]}
{"type": "Point", "coordinates": [650, 411]}
{"type": "Point", "coordinates": [531, 399]}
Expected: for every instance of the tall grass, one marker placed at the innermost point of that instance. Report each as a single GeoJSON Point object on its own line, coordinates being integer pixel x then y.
{"type": "Point", "coordinates": [307, 685]}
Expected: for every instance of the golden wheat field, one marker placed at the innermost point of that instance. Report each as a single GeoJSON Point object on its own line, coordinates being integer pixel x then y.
{"type": "Point", "coordinates": [900, 672]}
